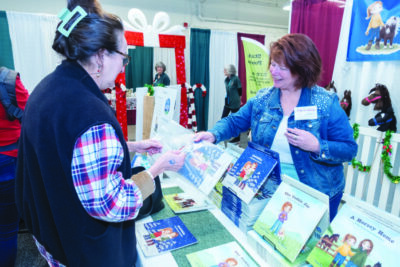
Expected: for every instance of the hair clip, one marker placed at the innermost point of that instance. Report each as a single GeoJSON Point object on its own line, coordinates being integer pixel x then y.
{"type": "Point", "coordinates": [65, 15]}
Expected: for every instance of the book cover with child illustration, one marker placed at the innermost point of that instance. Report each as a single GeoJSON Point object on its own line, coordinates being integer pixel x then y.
{"type": "Point", "coordinates": [163, 235]}
{"type": "Point", "coordinates": [289, 219]}
{"type": "Point", "coordinates": [357, 237]}
{"type": "Point", "coordinates": [204, 164]}
{"type": "Point", "coordinates": [184, 202]}
{"type": "Point", "coordinates": [250, 171]}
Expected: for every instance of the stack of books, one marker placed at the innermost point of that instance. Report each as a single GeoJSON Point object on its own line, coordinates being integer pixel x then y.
{"type": "Point", "coordinates": [241, 214]}
{"type": "Point", "coordinates": [249, 185]}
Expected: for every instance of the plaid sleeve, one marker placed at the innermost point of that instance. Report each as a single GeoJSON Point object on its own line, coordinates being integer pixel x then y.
{"type": "Point", "coordinates": [102, 190]}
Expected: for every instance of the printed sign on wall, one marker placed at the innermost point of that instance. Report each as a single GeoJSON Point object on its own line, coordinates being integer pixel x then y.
{"type": "Point", "coordinates": [374, 31]}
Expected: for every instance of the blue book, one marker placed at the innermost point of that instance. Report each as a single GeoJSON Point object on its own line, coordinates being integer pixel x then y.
{"type": "Point", "coordinates": [163, 235]}
{"type": "Point", "coordinates": [250, 172]}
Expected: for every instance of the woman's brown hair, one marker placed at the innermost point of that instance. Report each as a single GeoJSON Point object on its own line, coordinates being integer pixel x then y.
{"type": "Point", "coordinates": [299, 53]}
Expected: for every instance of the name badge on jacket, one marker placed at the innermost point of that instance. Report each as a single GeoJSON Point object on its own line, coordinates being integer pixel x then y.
{"type": "Point", "coordinates": [305, 113]}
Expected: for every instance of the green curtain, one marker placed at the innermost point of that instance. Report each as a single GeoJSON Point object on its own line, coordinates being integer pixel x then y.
{"type": "Point", "coordinates": [140, 70]}
{"type": "Point", "coordinates": [6, 55]}
{"type": "Point", "coordinates": [199, 72]}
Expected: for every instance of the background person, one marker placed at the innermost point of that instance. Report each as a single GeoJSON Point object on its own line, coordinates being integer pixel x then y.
{"type": "Point", "coordinates": [312, 146]}
{"type": "Point", "coordinates": [74, 185]}
{"type": "Point", "coordinates": [233, 89]}
{"type": "Point", "coordinates": [9, 135]}
{"type": "Point", "coordinates": [161, 77]}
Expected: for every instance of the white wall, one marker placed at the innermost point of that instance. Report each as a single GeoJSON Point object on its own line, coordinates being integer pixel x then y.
{"type": "Point", "coordinates": [244, 17]}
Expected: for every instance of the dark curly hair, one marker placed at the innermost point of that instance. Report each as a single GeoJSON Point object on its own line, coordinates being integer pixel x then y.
{"type": "Point", "coordinates": [98, 30]}
{"type": "Point", "coordinates": [299, 53]}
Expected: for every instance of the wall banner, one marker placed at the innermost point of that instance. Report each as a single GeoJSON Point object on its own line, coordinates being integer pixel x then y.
{"type": "Point", "coordinates": [374, 31]}
{"type": "Point", "coordinates": [257, 73]}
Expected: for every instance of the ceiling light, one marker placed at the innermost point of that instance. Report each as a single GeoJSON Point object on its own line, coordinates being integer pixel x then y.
{"type": "Point", "coordinates": [287, 6]}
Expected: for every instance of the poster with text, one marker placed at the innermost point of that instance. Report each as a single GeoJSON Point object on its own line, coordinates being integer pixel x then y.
{"type": "Point", "coordinates": [257, 73]}
{"type": "Point", "coordinates": [164, 107]}
{"type": "Point", "coordinates": [374, 31]}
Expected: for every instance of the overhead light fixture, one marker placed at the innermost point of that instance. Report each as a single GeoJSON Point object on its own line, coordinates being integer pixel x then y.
{"type": "Point", "coordinates": [287, 6]}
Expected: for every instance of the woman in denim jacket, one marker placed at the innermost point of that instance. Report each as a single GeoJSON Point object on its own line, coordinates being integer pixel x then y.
{"type": "Point", "coordinates": [298, 119]}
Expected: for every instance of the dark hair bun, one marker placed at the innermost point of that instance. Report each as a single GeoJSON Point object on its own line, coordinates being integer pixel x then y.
{"type": "Point", "coordinates": [90, 6]}
{"type": "Point", "coordinates": [97, 30]}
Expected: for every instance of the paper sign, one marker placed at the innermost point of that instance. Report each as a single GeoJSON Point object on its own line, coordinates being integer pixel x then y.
{"type": "Point", "coordinates": [305, 113]}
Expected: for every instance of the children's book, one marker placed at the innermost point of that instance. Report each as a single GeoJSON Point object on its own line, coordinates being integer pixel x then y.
{"type": "Point", "coordinates": [164, 107]}
{"type": "Point", "coordinates": [251, 170]}
{"type": "Point", "coordinates": [359, 235]}
{"type": "Point", "coordinates": [163, 235]}
{"type": "Point", "coordinates": [216, 194]}
{"type": "Point", "coordinates": [229, 254]}
{"type": "Point", "coordinates": [204, 165]}
{"type": "Point", "coordinates": [291, 216]}
{"type": "Point", "coordinates": [184, 202]}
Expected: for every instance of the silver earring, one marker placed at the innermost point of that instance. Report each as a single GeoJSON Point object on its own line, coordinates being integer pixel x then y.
{"type": "Point", "coordinates": [99, 68]}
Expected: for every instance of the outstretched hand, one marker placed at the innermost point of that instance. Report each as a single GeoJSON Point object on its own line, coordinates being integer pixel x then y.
{"type": "Point", "coordinates": [150, 146]}
{"type": "Point", "coordinates": [204, 136]}
{"type": "Point", "coordinates": [172, 160]}
{"type": "Point", "coordinates": [302, 139]}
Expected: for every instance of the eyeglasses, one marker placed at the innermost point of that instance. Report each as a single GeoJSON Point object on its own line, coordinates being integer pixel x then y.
{"type": "Point", "coordinates": [126, 59]}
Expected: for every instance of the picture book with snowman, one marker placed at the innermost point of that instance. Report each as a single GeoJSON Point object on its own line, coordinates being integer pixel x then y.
{"type": "Point", "coordinates": [251, 170]}
{"type": "Point", "coordinates": [359, 235]}
{"type": "Point", "coordinates": [290, 217]}
{"type": "Point", "coordinates": [163, 235]}
{"type": "Point", "coordinates": [204, 165]}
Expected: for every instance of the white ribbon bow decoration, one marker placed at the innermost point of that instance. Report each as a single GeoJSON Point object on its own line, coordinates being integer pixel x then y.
{"type": "Point", "coordinates": [138, 23]}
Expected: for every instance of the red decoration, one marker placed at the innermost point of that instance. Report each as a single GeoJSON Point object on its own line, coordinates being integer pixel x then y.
{"type": "Point", "coordinates": [137, 38]}
{"type": "Point", "coordinates": [120, 103]}
{"type": "Point", "coordinates": [183, 118]}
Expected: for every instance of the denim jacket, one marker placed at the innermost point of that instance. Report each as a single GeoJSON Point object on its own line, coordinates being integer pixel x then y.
{"type": "Point", "coordinates": [263, 114]}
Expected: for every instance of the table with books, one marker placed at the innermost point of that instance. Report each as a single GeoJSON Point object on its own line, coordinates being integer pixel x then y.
{"type": "Point", "coordinates": [232, 207]}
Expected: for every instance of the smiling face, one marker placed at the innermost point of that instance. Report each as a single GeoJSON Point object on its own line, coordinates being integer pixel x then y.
{"type": "Point", "coordinates": [282, 77]}
{"type": "Point", "coordinates": [160, 70]}
{"type": "Point", "coordinates": [376, 8]}
{"type": "Point", "coordinates": [366, 245]}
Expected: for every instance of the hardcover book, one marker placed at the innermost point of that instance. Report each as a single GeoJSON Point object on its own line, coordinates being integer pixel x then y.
{"type": "Point", "coordinates": [184, 202]}
{"type": "Point", "coordinates": [359, 235]}
{"type": "Point", "coordinates": [204, 165]}
{"type": "Point", "coordinates": [229, 254]}
{"type": "Point", "coordinates": [290, 218]}
{"type": "Point", "coordinates": [163, 235]}
{"type": "Point", "coordinates": [251, 170]}
{"type": "Point", "coordinates": [216, 194]}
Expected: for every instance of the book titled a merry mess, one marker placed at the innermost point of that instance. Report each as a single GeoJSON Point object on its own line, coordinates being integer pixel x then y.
{"type": "Point", "coordinates": [163, 235]}
{"type": "Point", "coordinates": [359, 235]}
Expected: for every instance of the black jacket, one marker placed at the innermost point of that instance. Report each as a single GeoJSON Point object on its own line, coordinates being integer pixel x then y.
{"type": "Point", "coordinates": [61, 108]}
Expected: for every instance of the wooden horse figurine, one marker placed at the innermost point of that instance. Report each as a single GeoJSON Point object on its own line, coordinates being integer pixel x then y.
{"type": "Point", "coordinates": [379, 95]}
{"type": "Point", "coordinates": [345, 103]}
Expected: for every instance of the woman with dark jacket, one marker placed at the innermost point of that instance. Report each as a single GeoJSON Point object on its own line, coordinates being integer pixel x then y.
{"type": "Point", "coordinates": [161, 77]}
{"type": "Point", "coordinates": [233, 88]}
{"type": "Point", "coordinates": [75, 190]}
